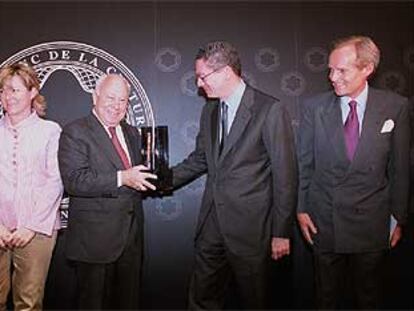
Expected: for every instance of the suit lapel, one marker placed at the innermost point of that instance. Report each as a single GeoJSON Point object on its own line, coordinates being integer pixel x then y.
{"type": "Point", "coordinates": [102, 139]}
{"type": "Point", "coordinates": [132, 143]}
{"type": "Point", "coordinates": [241, 119]}
{"type": "Point", "coordinates": [332, 120]}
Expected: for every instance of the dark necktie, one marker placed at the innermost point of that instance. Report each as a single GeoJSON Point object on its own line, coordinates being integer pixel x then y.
{"type": "Point", "coordinates": [223, 124]}
{"type": "Point", "coordinates": [351, 130]}
{"type": "Point", "coordinates": [118, 148]}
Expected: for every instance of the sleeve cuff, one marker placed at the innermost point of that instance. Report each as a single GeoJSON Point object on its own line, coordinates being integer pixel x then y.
{"type": "Point", "coordinates": [118, 179]}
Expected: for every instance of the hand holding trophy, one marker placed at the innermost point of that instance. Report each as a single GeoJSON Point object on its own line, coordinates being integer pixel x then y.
{"type": "Point", "coordinates": [154, 150]}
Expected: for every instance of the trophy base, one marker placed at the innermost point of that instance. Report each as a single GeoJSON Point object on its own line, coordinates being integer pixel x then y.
{"type": "Point", "coordinates": [154, 151]}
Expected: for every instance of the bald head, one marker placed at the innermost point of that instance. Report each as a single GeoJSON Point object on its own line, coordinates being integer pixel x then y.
{"type": "Point", "coordinates": [110, 99]}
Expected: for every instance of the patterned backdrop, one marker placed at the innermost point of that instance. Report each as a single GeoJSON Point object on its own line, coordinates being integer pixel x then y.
{"type": "Point", "coordinates": [284, 49]}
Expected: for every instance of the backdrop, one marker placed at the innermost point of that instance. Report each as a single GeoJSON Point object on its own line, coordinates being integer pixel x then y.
{"type": "Point", "coordinates": [284, 50]}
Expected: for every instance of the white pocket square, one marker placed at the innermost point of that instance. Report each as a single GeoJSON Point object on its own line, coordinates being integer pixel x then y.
{"type": "Point", "coordinates": [388, 126]}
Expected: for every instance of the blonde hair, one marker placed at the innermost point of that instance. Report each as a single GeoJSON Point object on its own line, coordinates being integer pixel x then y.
{"type": "Point", "coordinates": [30, 80]}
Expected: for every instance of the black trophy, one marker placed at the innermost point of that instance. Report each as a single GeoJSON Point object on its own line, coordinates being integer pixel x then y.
{"type": "Point", "coordinates": [154, 150]}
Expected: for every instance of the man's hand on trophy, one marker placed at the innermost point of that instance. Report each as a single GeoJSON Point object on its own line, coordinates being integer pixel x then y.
{"type": "Point", "coordinates": [137, 178]}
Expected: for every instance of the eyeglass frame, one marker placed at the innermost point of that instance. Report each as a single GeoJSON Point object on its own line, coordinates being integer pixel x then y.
{"type": "Point", "coordinates": [203, 78]}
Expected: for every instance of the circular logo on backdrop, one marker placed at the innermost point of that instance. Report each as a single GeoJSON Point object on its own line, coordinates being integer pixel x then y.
{"type": "Point", "coordinates": [316, 59]}
{"type": "Point", "coordinates": [168, 60]}
{"type": "Point", "coordinates": [188, 84]}
{"type": "Point", "coordinates": [86, 63]}
{"type": "Point", "coordinates": [293, 83]}
{"type": "Point", "coordinates": [267, 59]}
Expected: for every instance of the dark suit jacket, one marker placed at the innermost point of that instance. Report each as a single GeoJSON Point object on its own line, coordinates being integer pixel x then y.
{"type": "Point", "coordinates": [253, 182]}
{"type": "Point", "coordinates": [100, 213]}
{"type": "Point", "coordinates": [351, 203]}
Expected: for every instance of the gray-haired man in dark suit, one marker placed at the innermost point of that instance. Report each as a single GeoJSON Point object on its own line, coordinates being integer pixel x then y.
{"type": "Point", "coordinates": [99, 158]}
{"type": "Point", "coordinates": [353, 175]}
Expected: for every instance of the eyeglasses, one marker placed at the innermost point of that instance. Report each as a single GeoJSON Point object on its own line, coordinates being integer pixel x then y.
{"type": "Point", "coordinates": [203, 78]}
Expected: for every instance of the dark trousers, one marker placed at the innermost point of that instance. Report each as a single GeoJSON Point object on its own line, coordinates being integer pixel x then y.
{"type": "Point", "coordinates": [215, 267]}
{"type": "Point", "coordinates": [114, 285]}
{"type": "Point", "coordinates": [363, 271]}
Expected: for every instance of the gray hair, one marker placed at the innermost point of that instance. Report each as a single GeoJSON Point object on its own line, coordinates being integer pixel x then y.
{"type": "Point", "coordinates": [366, 50]}
{"type": "Point", "coordinates": [105, 76]}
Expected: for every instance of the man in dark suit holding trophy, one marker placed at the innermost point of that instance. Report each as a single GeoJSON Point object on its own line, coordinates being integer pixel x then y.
{"type": "Point", "coordinates": [99, 158]}
{"type": "Point", "coordinates": [245, 145]}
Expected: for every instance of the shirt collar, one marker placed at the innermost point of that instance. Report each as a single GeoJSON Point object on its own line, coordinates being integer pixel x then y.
{"type": "Point", "coordinates": [361, 99]}
{"type": "Point", "coordinates": [235, 98]}
{"type": "Point", "coordinates": [31, 119]}
{"type": "Point", "coordinates": [105, 126]}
